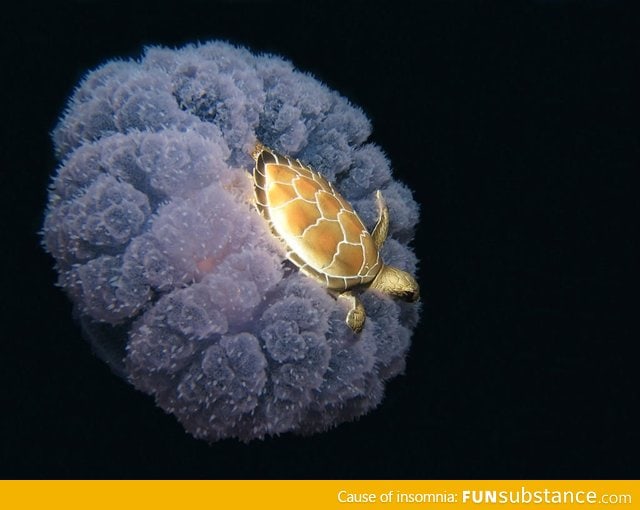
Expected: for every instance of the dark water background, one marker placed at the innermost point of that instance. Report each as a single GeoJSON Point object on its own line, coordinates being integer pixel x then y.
{"type": "Point", "coordinates": [515, 123]}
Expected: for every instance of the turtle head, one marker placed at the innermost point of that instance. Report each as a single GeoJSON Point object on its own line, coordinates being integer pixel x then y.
{"type": "Point", "coordinates": [397, 283]}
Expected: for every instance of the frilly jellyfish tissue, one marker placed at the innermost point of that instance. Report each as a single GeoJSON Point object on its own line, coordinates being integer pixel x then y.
{"type": "Point", "coordinates": [178, 282]}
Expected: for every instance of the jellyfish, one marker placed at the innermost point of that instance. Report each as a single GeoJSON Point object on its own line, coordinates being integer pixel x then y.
{"type": "Point", "coordinates": [176, 279]}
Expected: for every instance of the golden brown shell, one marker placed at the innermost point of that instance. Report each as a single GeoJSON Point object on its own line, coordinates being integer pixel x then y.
{"type": "Point", "coordinates": [324, 236]}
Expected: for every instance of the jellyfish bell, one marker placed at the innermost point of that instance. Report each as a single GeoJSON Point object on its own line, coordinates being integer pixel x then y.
{"type": "Point", "coordinates": [179, 284]}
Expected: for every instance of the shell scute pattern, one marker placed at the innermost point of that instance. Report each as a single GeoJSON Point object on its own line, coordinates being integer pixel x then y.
{"type": "Point", "coordinates": [329, 205]}
{"type": "Point", "coordinates": [306, 188]}
{"type": "Point", "coordinates": [324, 236]}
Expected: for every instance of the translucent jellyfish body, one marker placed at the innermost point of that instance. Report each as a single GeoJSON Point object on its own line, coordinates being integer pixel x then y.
{"type": "Point", "coordinates": [177, 280]}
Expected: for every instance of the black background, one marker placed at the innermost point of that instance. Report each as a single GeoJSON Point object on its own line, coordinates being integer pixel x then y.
{"type": "Point", "coordinates": [516, 123]}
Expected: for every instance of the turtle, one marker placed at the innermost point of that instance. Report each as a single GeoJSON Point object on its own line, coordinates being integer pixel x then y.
{"type": "Point", "coordinates": [323, 235]}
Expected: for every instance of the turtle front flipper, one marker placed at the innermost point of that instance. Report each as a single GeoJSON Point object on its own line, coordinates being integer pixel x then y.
{"type": "Point", "coordinates": [381, 229]}
{"type": "Point", "coordinates": [356, 314]}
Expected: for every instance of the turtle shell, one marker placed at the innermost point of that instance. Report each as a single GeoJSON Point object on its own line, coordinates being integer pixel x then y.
{"type": "Point", "coordinates": [323, 235]}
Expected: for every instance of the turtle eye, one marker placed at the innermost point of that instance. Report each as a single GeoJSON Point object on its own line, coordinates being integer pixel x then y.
{"type": "Point", "coordinates": [408, 288]}
{"type": "Point", "coordinates": [409, 295]}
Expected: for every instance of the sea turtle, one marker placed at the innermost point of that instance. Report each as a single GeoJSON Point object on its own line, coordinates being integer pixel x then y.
{"type": "Point", "coordinates": [322, 233]}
